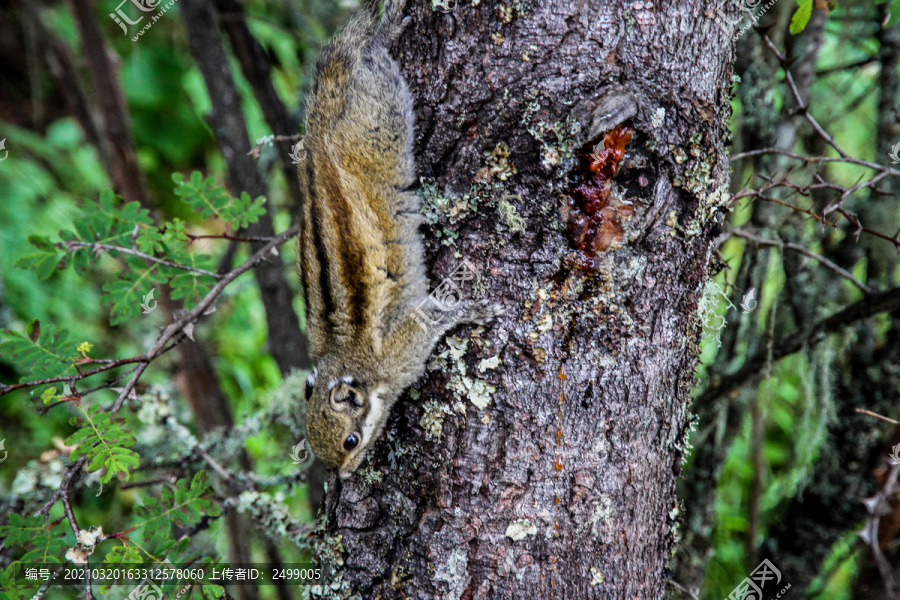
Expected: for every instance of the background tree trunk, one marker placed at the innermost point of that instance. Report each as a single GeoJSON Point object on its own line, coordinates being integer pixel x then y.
{"type": "Point", "coordinates": [552, 475]}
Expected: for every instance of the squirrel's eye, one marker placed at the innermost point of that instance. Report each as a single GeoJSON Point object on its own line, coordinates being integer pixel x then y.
{"type": "Point", "coordinates": [351, 442]}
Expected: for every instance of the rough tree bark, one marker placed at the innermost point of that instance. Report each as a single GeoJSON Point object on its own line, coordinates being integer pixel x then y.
{"type": "Point", "coordinates": [562, 484]}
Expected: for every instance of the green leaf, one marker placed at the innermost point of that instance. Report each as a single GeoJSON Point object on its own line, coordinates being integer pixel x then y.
{"type": "Point", "coordinates": [126, 294]}
{"type": "Point", "coordinates": [10, 589]}
{"type": "Point", "coordinates": [48, 258]}
{"type": "Point", "coordinates": [211, 590]}
{"type": "Point", "coordinates": [247, 211]}
{"type": "Point", "coordinates": [47, 355]}
{"type": "Point", "coordinates": [183, 506]}
{"type": "Point", "coordinates": [190, 285]}
{"type": "Point", "coordinates": [203, 196]}
{"type": "Point", "coordinates": [105, 444]}
{"type": "Point", "coordinates": [49, 395]}
{"type": "Point", "coordinates": [801, 16]}
{"type": "Point", "coordinates": [123, 555]}
{"type": "Point", "coordinates": [44, 544]}
{"type": "Point", "coordinates": [149, 240]}
{"type": "Point", "coordinates": [126, 556]}
{"type": "Point", "coordinates": [211, 200]}
{"type": "Point", "coordinates": [109, 222]}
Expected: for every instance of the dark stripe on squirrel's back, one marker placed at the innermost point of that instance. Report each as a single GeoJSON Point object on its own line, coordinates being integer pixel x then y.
{"type": "Point", "coordinates": [352, 254]}
{"type": "Point", "coordinates": [315, 225]}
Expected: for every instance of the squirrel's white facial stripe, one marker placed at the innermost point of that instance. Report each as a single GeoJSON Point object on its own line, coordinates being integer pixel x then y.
{"type": "Point", "coordinates": [376, 410]}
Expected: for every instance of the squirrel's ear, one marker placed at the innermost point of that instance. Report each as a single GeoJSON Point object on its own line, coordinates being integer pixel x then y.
{"type": "Point", "coordinates": [345, 394]}
{"type": "Point", "coordinates": [310, 382]}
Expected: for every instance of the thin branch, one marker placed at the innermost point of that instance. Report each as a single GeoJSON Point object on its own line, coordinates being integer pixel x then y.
{"type": "Point", "coordinates": [218, 468]}
{"type": "Point", "coordinates": [854, 65]}
{"type": "Point", "coordinates": [806, 252]}
{"type": "Point", "coordinates": [802, 107]}
{"type": "Point", "coordinates": [5, 389]}
{"type": "Point", "coordinates": [874, 304]}
{"type": "Point", "coordinates": [875, 507]}
{"type": "Point", "coordinates": [70, 471]}
{"type": "Point", "coordinates": [162, 343]}
{"type": "Point", "coordinates": [818, 159]}
{"type": "Point", "coordinates": [853, 219]}
{"type": "Point", "coordinates": [233, 238]}
{"type": "Point", "coordinates": [46, 585]}
{"type": "Point", "coordinates": [70, 516]}
{"type": "Point", "coordinates": [67, 506]}
{"type": "Point", "coordinates": [877, 416]}
{"type": "Point", "coordinates": [852, 190]}
{"type": "Point", "coordinates": [195, 313]}
{"type": "Point", "coordinates": [139, 254]}
{"type": "Point", "coordinates": [689, 593]}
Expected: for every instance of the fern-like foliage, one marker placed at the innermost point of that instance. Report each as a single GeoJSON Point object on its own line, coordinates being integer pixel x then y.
{"type": "Point", "coordinates": [40, 352]}
{"type": "Point", "coordinates": [126, 554]}
{"type": "Point", "coordinates": [183, 506]}
{"type": "Point", "coordinates": [125, 294]}
{"type": "Point", "coordinates": [9, 589]}
{"type": "Point", "coordinates": [121, 230]}
{"type": "Point", "coordinates": [105, 444]}
{"type": "Point", "coordinates": [210, 200]}
{"type": "Point", "coordinates": [175, 555]}
{"type": "Point", "coordinates": [43, 542]}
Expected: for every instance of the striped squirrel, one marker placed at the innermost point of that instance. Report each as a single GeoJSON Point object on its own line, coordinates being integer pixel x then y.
{"type": "Point", "coordinates": [360, 253]}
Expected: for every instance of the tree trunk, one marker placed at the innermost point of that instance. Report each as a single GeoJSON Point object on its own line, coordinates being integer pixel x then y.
{"type": "Point", "coordinates": [551, 473]}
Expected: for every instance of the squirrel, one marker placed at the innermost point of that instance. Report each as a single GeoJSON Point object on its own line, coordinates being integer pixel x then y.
{"type": "Point", "coordinates": [360, 253]}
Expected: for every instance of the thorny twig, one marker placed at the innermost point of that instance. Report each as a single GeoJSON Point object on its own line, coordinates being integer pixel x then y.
{"type": "Point", "coordinates": [881, 171]}
{"type": "Point", "coordinates": [818, 159]}
{"type": "Point", "coordinates": [854, 220]}
{"type": "Point", "coordinates": [802, 107]}
{"type": "Point", "coordinates": [689, 593]}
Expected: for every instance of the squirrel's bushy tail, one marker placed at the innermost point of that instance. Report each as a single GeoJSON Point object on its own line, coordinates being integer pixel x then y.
{"type": "Point", "coordinates": [341, 56]}
{"type": "Point", "coordinates": [391, 24]}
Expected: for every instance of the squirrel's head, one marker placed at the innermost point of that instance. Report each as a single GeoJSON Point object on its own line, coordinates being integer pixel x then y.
{"type": "Point", "coordinates": [343, 417]}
